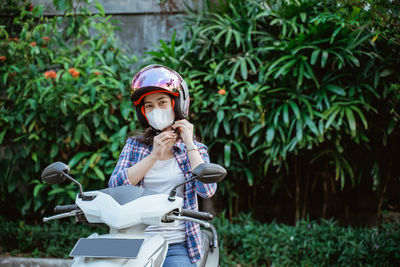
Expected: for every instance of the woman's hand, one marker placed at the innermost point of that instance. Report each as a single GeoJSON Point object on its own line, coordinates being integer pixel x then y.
{"type": "Point", "coordinates": [186, 130]}
{"type": "Point", "coordinates": [160, 143]}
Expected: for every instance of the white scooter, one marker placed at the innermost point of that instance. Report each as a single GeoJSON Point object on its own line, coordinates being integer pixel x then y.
{"type": "Point", "coordinates": [127, 211]}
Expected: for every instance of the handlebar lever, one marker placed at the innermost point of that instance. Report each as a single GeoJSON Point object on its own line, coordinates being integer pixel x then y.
{"type": "Point", "coordinates": [62, 215]}
{"type": "Point", "coordinates": [213, 242]}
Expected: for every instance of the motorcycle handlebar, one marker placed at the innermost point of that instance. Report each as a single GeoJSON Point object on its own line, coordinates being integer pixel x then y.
{"type": "Point", "coordinates": [197, 214]}
{"type": "Point", "coordinates": [65, 208]}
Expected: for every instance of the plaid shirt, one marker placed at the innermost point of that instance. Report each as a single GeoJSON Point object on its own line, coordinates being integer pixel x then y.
{"type": "Point", "coordinates": [134, 152]}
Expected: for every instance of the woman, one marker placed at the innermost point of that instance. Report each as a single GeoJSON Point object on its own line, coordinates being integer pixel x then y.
{"type": "Point", "coordinates": [165, 155]}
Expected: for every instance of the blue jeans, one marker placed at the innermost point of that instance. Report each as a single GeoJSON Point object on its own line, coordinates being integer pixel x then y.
{"type": "Point", "coordinates": [178, 256]}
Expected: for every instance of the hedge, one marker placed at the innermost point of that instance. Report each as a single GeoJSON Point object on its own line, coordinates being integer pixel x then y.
{"type": "Point", "coordinates": [243, 242]}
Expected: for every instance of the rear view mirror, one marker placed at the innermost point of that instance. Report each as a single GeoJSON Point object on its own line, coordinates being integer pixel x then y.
{"type": "Point", "coordinates": [209, 173]}
{"type": "Point", "coordinates": [54, 173]}
{"type": "Point", "coordinates": [206, 173]}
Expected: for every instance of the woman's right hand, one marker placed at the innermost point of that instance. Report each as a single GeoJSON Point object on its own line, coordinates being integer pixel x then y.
{"type": "Point", "coordinates": [160, 143]}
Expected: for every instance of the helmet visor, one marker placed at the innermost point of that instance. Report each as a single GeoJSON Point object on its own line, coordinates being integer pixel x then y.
{"type": "Point", "coordinates": [155, 76]}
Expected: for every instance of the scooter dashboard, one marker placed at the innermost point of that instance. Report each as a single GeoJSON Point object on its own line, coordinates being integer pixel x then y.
{"type": "Point", "coordinates": [127, 193]}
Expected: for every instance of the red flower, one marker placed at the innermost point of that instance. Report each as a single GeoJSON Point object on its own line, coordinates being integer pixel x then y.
{"type": "Point", "coordinates": [74, 72]}
{"type": "Point", "coordinates": [33, 44]}
{"type": "Point", "coordinates": [222, 92]}
{"type": "Point", "coordinates": [31, 7]}
{"type": "Point", "coordinates": [50, 74]}
{"type": "Point", "coordinates": [3, 58]}
{"type": "Point", "coordinates": [46, 38]}
{"type": "Point", "coordinates": [97, 73]}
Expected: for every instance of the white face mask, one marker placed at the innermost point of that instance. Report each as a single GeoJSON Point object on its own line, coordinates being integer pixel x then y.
{"type": "Point", "coordinates": [161, 118]}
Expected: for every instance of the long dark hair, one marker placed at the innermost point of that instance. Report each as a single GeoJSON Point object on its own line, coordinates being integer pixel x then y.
{"type": "Point", "coordinates": [147, 136]}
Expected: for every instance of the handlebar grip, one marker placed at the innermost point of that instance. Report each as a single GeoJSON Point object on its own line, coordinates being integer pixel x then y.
{"type": "Point", "coordinates": [65, 208]}
{"type": "Point", "coordinates": [197, 214]}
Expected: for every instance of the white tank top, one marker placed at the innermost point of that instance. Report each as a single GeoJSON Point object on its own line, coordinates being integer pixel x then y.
{"type": "Point", "coordinates": [162, 177]}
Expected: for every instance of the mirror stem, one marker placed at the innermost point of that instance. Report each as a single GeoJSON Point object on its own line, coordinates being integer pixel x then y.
{"type": "Point", "coordinates": [81, 195]}
{"type": "Point", "coordinates": [172, 194]}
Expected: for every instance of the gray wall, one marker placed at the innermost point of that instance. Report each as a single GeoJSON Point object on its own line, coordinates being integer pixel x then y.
{"type": "Point", "coordinates": [144, 22]}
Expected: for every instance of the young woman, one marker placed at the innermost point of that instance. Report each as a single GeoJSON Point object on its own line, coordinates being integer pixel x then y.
{"type": "Point", "coordinates": [165, 155]}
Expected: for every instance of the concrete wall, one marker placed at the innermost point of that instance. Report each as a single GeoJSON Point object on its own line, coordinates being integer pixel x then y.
{"type": "Point", "coordinates": [144, 22]}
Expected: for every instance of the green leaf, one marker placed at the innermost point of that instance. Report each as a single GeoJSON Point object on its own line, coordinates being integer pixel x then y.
{"type": "Point", "coordinates": [99, 173]}
{"type": "Point", "coordinates": [336, 89]}
{"type": "Point", "coordinates": [332, 117]}
{"type": "Point", "coordinates": [63, 107]}
{"type": "Point", "coordinates": [301, 74]}
{"type": "Point", "coordinates": [270, 134]}
{"type": "Point", "coordinates": [243, 69]}
{"type": "Point", "coordinates": [324, 58]}
{"type": "Point", "coordinates": [299, 130]}
{"type": "Point", "coordinates": [239, 149]}
{"type": "Point", "coordinates": [228, 38]}
{"type": "Point", "coordinates": [314, 56]}
{"type": "Point", "coordinates": [37, 188]}
{"type": "Point", "coordinates": [77, 158]}
{"type": "Point", "coordinates": [286, 115]}
{"type": "Point", "coordinates": [354, 60]}
{"type": "Point", "coordinates": [234, 70]}
{"type": "Point", "coordinates": [391, 126]}
{"type": "Point", "coordinates": [227, 154]}
{"type": "Point", "coordinates": [311, 73]}
{"type": "Point", "coordinates": [56, 191]}
{"type": "Point", "coordinates": [83, 114]}
{"type": "Point", "coordinates": [285, 68]}
{"type": "Point", "coordinates": [54, 150]}
{"type": "Point", "coordinates": [303, 16]}
{"type": "Point", "coordinates": [351, 120]}
{"type": "Point", "coordinates": [311, 125]}
{"type": "Point", "coordinates": [361, 115]}
{"type": "Point", "coordinates": [220, 115]}
{"type": "Point", "coordinates": [386, 72]}
{"type": "Point", "coordinates": [100, 8]}
{"type": "Point", "coordinates": [295, 109]}
{"type": "Point", "coordinates": [249, 176]}
{"type": "Point", "coordinates": [255, 129]}
{"type": "Point", "coordinates": [227, 126]}
{"type": "Point", "coordinates": [2, 134]}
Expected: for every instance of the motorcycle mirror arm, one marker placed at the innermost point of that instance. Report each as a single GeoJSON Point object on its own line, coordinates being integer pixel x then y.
{"type": "Point", "coordinates": [172, 194]}
{"type": "Point", "coordinates": [81, 195]}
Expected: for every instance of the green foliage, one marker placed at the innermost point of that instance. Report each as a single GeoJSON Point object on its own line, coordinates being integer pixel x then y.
{"type": "Point", "coordinates": [243, 241]}
{"type": "Point", "coordinates": [55, 239]}
{"type": "Point", "coordinates": [290, 90]}
{"type": "Point", "coordinates": [246, 242]}
{"type": "Point", "coordinates": [63, 98]}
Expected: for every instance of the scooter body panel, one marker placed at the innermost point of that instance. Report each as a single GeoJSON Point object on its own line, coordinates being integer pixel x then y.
{"type": "Point", "coordinates": [212, 258]}
{"type": "Point", "coordinates": [144, 210]}
{"type": "Point", "coordinates": [151, 254]}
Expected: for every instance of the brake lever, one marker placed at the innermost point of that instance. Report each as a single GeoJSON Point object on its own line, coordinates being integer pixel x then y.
{"type": "Point", "coordinates": [62, 215]}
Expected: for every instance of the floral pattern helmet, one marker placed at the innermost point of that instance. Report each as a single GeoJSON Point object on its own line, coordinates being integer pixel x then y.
{"type": "Point", "coordinates": [159, 79]}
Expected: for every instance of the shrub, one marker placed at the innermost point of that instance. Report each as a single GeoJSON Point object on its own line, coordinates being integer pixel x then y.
{"type": "Point", "coordinates": [294, 97]}
{"type": "Point", "coordinates": [54, 239]}
{"type": "Point", "coordinates": [63, 98]}
{"type": "Point", "coordinates": [243, 242]}
{"type": "Point", "coordinates": [246, 242]}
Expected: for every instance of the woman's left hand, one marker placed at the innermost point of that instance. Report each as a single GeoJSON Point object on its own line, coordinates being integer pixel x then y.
{"type": "Point", "coordinates": [185, 128]}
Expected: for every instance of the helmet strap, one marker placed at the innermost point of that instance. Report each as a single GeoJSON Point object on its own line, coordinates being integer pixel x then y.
{"type": "Point", "coordinates": [144, 113]}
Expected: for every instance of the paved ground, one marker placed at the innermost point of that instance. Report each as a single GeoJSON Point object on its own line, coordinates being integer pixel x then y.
{"type": "Point", "coordinates": [33, 262]}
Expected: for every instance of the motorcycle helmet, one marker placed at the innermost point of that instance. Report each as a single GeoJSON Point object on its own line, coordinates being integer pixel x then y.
{"type": "Point", "coordinates": [159, 79]}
